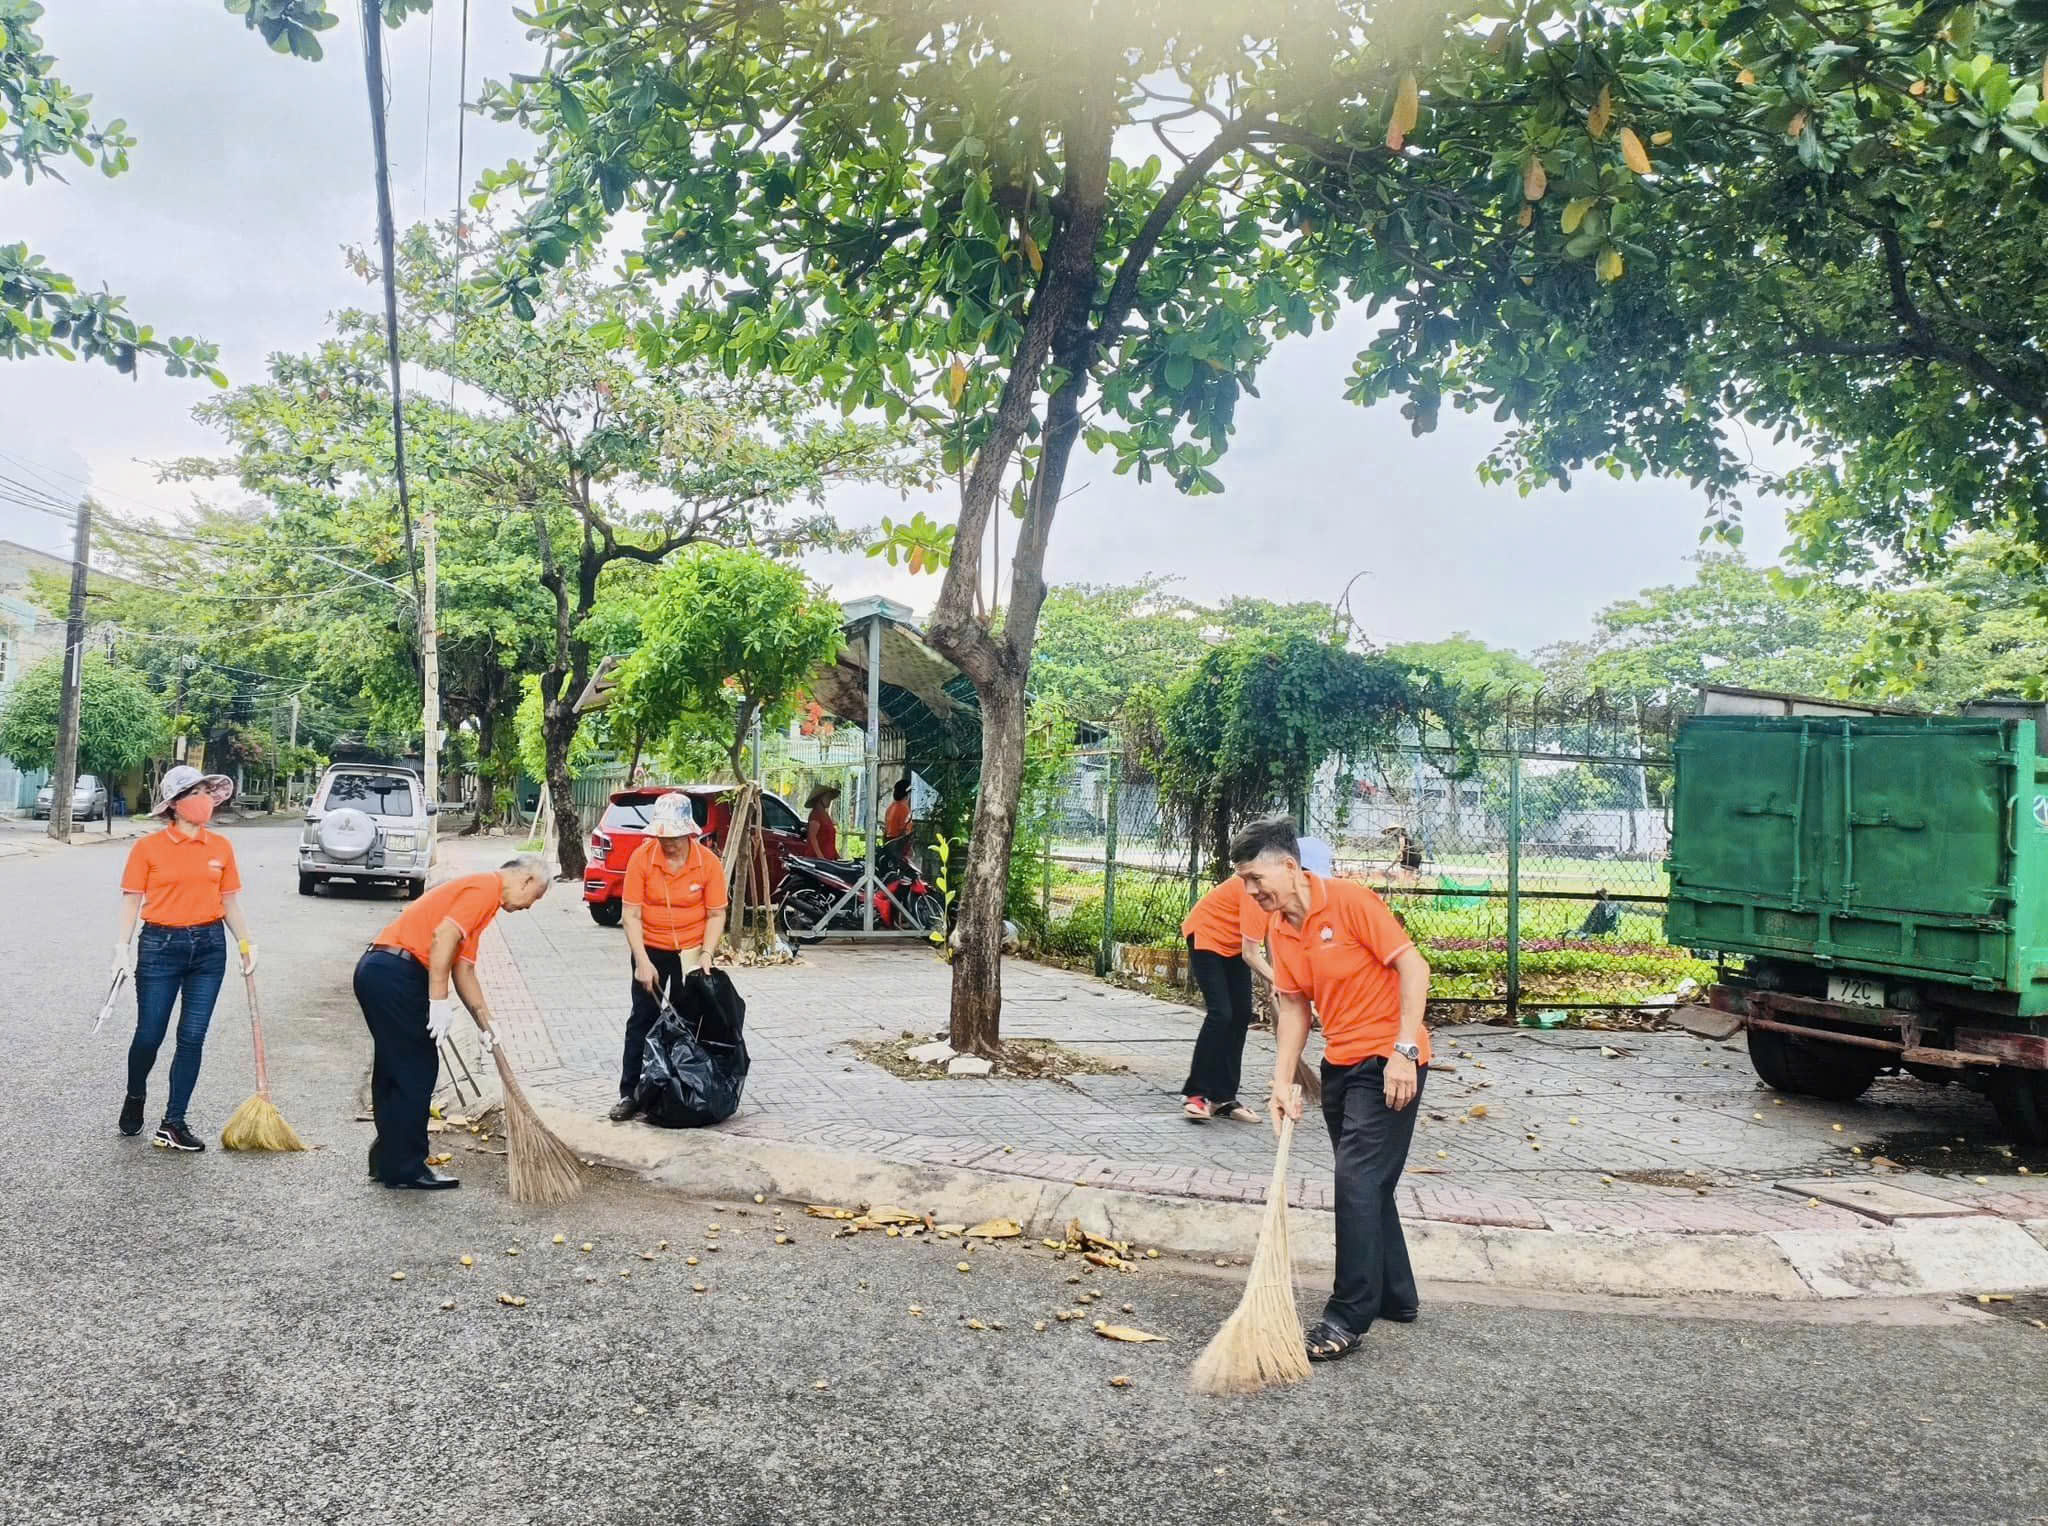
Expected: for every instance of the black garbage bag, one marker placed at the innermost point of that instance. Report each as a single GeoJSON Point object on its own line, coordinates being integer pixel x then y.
{"type": "Point", "coordinates": [695, 1064]}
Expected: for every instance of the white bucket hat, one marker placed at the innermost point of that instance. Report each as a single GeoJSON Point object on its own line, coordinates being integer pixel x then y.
{"type": "Point", "coordinates": [672, 817]}
{"type": "Point", "coordinates": [183, 779]}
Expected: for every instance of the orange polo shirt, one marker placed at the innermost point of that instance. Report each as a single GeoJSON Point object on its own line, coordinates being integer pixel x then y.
{"type": "Point", "coordinates": [896, 822]}
{"type": "Point", "coordinates": [181, 879]}
{"type": "Point", "coordinates": [1224, 918]}
{"type": "Point", "coordinates": [675, 904]}
{"type": "Point", "coordinates": [469, 903]}
{"type": "Point", "coordinates": [1341, 958]}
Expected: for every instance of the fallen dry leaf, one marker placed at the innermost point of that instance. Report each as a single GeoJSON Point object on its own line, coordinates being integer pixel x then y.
{"type": "Point", "coordinates": [512, 1300]}
{"type": "Point", "coordinates": [826, 1211]}
{"type": "Point", "coordinates": [1127, 1334]}
{"type": "Point", "coordinates": [975, 1324]}
{"type": "Point", "coordinates": [996, 1229]}
{"type": "Point", "coordinates": [1476, 1110]}
{"type": "Point", "coordinates": [1119, 1382]}
{"type": "Point", "coordinates": [882, 1217]}
{"type": "Point", "coordinates": [447, 1303]}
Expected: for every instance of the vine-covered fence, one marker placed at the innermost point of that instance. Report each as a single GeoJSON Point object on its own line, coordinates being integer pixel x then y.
{"type": "Point", "coordinates": [1529, 865]}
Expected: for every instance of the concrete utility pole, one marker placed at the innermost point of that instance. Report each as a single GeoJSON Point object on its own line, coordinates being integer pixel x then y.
{"type": "Point", "coordinates": [66, 779]}
{"type": "Point", "coordinates": [430, 663]}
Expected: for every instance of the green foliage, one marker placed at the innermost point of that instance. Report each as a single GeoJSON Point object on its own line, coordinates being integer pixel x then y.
{"type": "Point", "coordinates": [726, 635]}
{"type": "Point", "coordinates": [1139, 921]}
{"type": "Point", "coordinates": [1732, 624]}
{"type": "Point", "coordinates": [43, 123]}
{"type": "Point", "coordinates": [1250, 728]}
{"type": "Point", "coordinates": [1823, 222]}
{"type": "Point", "coordinates": [532, 742]}
{"type": "Point", "coordinates": [1470, 666]}
{"type": "Point", "coordinates": [120, 722]}
{"type": "Point", "coordinates": [1102, 649]}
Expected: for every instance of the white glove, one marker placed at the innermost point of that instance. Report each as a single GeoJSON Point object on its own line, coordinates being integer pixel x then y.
{"type": "Point", "coordinates": [124, 960]}
{"type": "Point", "coordinates": [486, 1041]}
{"type": "Point", "coordinates": [439, 1016]}
{"type": "Point", "coordinates": [249, 957]}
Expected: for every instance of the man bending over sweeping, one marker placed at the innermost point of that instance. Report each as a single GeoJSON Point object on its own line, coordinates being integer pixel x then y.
{"type": "Point", "coordinates": [402, 984]}
{"type": "Point", "coordinates": [1337, 947]}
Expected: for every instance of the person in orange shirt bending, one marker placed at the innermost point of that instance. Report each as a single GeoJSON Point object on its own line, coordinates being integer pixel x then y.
{"type": "Point", "coordinates": [675, 912]}
{"type": "Point", "coordinates": [1224, 933]}
{"type": "Point", "coordinates": [183, 884]}
{"type": "Point", "coordinates": [1337, 946]}
{"type": "Point", "coordinates": [402, 983]}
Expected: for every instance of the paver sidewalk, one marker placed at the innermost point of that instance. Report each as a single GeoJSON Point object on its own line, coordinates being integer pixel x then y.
{"type": "Point", "coordinates": [1565, 1130]}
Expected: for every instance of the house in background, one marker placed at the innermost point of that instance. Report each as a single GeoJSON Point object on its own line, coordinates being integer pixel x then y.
{"type": "Point", "coordinates": [30, 634]}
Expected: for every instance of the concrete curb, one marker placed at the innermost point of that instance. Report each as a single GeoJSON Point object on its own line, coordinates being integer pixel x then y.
{"type": "Point", "coordinates": [1935, 1257]}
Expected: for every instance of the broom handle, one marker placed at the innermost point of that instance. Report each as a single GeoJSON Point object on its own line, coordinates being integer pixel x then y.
{"type": "Point", "coordinates": [256, 1034]}
{"type": "Point", "coordinates": [1279, 1183]}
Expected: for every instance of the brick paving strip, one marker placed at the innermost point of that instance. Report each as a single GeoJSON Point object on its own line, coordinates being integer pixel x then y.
{"type": "Point", "coordinates": [1662, 1133]}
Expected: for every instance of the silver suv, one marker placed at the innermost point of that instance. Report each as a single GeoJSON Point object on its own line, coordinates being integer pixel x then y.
{"type": "Point", "coordinates": [369, 823]}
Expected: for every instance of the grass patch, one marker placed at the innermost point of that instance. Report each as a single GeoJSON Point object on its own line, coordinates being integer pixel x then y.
{"type": "Point", "coordinates": [1019, 1059]}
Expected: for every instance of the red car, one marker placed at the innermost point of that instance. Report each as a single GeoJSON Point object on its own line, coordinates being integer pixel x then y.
{"type": "Point", "coordinates": [623, 828]}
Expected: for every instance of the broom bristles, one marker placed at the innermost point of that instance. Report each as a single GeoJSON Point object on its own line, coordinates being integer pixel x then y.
{"type": "Point", "coordinates": [542, 1168]}
{"type": "Point", "coordinates": [1262, 1343]}
{"type": "Point", "coordinates": [258, 1125]}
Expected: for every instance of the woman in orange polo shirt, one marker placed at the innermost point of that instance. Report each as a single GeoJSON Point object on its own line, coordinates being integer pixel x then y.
{"type": "Point", "coordinates": [675, 911]}
{"type": "Point", "coordinates": [183, 884]}
{"type": "Point", "coordinates": [1224, 932]}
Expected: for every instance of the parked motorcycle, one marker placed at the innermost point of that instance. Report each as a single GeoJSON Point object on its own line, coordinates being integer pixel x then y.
{"type": "Point", "coordinates": [813, 887]}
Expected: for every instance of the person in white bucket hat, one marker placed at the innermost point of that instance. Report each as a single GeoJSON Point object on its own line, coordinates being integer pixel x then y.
{"type": "Point", "coordinates": [182, 885]}
{"type": "Point", "coordinates": [675, 913]}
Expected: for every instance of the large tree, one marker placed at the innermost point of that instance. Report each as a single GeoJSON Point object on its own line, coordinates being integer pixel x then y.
{"type": "Point", "coordinates": [617, 461]}
{"type": "Point", "coordinates": [948, 212]}
{"type": "Point", "coordinates": [120, 721]}
{"type": "Point", "coordinates": [1820, 221]}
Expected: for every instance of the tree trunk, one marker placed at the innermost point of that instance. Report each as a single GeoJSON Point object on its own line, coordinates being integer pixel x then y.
{"type": "Point", "coordinates": [486, 772]}
{"type": "Point", "coordinates": [999, 665]}
{"type": "Point", "coordinates": [559, 730]}
{"type": "Point", "coordinates": [981, 899]}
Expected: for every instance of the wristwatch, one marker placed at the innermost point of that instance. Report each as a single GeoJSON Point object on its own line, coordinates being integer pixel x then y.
{"type": "Point", "coordinates": [1412, 1053]}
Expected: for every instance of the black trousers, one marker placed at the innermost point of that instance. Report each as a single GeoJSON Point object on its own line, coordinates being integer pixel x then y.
{"type": "Point", "coordinates": [406, 1063]}
{"type": "Point", "coordinates": [1226, 983]}
{"type": "Point", "coordinates": [1370, 1141]}
{"type": "Point", "coordinates": [668, 976]}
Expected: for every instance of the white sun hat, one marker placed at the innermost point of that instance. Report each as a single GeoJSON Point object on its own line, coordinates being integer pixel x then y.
{"type": "Point", "coordinates": [672, 817]}
{"type": "Point", "coordinates": [183, 780]}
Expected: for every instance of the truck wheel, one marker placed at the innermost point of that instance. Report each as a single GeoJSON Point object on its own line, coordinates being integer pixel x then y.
{"type": "Point", "coordinates": [607, 913]}
{"type": "Point", "coordinates": [2021, 1100]}
{"type": "Point", "coordinates": [1810, 1068]}
{"type": "Point", "coordinates": [1768, 1057]}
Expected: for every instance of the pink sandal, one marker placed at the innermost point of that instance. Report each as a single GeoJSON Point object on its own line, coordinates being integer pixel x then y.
{"type": "Point", "coordinates": [1197, 1108]}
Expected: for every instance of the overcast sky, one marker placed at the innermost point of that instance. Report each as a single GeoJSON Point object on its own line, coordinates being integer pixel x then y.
{"type": "Point", "coordinates": [253, 170]}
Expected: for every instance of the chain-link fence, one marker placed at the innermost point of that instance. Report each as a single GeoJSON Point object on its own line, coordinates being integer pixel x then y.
{"type": "Point", "coordinates": [1529, 866]}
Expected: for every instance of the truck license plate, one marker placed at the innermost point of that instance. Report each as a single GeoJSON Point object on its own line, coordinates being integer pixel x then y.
{"type": "Point", "coordinates": [1853, 991]}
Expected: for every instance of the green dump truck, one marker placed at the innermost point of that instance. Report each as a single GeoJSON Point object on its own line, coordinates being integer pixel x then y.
{"type": "Point", "coordinates": [1877, 888]}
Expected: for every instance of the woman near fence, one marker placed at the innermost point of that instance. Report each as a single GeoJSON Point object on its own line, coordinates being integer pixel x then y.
{"type": "Point", "coordinates": [1224, 933]}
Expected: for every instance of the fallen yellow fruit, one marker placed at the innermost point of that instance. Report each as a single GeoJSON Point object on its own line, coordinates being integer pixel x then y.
{"type": "Point", "coordinates": [469, 1261]}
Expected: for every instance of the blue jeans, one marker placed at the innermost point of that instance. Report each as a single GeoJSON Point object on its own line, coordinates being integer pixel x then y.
{"type": "Point", "coordinates": [170, 960]}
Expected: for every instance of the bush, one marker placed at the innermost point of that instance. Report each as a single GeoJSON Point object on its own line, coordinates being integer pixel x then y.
{"type": "Point", "coordinates": [1137, 921]}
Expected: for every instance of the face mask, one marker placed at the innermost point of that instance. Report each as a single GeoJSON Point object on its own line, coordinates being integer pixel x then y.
{"type": "Point", "coordinates": [194, 810]}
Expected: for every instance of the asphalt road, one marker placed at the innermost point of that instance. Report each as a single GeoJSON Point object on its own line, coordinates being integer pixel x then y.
{"type": "Point", "coordinates": [219, 1339]}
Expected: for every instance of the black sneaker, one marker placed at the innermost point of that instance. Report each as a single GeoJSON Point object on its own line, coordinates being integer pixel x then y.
{"type": "Point", "coordinates": [624, 1108]}
{"type": "Point", "coordinates": [172, 1134]}
{"type": "Point", "coordinates": [131, 1115]}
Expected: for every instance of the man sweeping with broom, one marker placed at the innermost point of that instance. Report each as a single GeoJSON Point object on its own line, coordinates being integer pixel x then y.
{"type": "Point", "coordinates": [1336, 945]}
{"type": "Point", "coordinates": [402, 984]}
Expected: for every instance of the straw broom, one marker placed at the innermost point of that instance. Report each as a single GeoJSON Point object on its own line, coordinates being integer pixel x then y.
{"type": "Point", "coordinates": [543, 1169]}
{"type": "Point", "coordinates": [257, 1124]}
{"type": "Point", "coordinates": [1262, 1343]}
